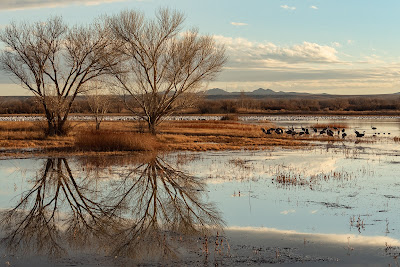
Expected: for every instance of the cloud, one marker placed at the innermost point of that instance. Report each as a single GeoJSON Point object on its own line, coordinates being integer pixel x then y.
{"type": "Point", "coordinates": [239, 24]}
{"type": "Point", "coordinates": [32, 4]}
{"type": "Point", "coordinates": [305, 67]}
{"type": "Point", "coordinates": [244, 52]}
{"type": "Point", "coordinates": [288, 7]}
{"type": "Point", "coordinates": [314, 7]}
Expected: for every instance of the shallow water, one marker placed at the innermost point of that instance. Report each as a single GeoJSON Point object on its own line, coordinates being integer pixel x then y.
{"type": "Point", "coordinates": [345, 193]}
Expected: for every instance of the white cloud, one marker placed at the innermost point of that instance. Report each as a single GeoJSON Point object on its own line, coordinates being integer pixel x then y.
{"type": "Point", "coordinates": [305, 67]}
{"type": "Point", "coordinates": [314, 7]}
{"type": "Point", "coordinates": [244, 52]}
{"type": "Point", "coordinates": [32, 4]}
{"type": "Point", "coordinates": [288, 7]}
{"type": "Point", "coordinates": [239, 24]}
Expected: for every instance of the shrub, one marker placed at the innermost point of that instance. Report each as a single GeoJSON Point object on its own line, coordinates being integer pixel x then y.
{"type": "Point", "coordinates": [115, 141]}
{"type": "Point", "coordinates": [230, 117]}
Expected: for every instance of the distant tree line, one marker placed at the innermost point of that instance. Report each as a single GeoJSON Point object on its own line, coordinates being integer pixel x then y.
{"type": "Point", "coordinates": [355, 104]}
{"type": "Point", "coordinates": [116, 105]}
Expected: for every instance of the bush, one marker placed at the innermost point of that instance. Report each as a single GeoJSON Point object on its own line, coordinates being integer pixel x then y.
{"type": "Point", "coordinates": [230, 117]}
{"type": "Point", "coordinates": [115, 141]}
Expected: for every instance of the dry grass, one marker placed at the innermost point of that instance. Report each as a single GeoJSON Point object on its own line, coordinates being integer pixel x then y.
{"type": "Point", "coordinates": [219, 135]}
{"type": "Point", "coordinates": [230, 117]}
{"type": "Point", "coordinates": [119, 136]}
{"type": "Point", "coordinates": [115, 141]}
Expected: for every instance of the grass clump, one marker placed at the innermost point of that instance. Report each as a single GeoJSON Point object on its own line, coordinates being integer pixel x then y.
{"type": "Point", "coordinates": [115, 141]}
{"type": "Point", "coordinates": [230, 117]}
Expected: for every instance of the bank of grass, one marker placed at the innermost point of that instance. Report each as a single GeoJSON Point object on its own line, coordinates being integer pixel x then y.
{"type": "Point", "coordinates": [122, 136]}
{"type": "Point", "coordinates": [106, 140]}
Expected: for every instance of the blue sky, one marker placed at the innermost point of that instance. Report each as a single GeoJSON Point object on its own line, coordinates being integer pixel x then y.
{"type": "Point", "coordinates": [330, 46]}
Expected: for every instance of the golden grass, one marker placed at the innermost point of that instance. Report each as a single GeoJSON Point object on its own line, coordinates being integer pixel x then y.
{"type": "Point", "coordinates": [115, 141]}
{"type": "Point", "coordinates": [119, 136]}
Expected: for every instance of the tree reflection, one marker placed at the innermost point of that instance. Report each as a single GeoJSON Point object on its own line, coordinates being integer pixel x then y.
{"type": "Point", "coordinates": [149, 209]}
{"type": "Point", "coordinates": [162, 201]}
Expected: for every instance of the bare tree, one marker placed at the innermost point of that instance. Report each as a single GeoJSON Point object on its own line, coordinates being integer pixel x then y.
{"type": "Point", "coordinates": [99, 103]}
{"type": "Point", "coordinates": [54, 62]}
{"type": "Point", "coordinates": [164, 67]}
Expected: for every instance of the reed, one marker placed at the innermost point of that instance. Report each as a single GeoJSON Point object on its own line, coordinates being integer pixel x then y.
{"type": "Point", "coordinates": [115, 141]}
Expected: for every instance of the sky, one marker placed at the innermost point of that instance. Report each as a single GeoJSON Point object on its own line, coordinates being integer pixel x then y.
{"type": "Point", "coordinates": [314, 46]}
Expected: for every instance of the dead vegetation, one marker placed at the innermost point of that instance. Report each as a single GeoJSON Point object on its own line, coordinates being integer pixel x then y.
{"type": "Point", "coordinates": [121, 136]}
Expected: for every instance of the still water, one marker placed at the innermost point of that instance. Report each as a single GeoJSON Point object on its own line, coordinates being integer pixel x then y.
{"type": "Point", "coordinates": [145, 208]}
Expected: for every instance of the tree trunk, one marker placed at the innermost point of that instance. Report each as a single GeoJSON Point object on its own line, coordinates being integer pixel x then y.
{"type": "Point", "coordinates": [152, 126]}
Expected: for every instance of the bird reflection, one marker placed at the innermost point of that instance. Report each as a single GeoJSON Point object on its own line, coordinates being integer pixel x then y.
{"type": "Point", "coordinates": [147, 210]}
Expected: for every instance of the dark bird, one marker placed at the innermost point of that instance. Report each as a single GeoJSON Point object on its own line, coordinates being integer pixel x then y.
{"type": "Point", "coordinates": [373, 127]}
{"type": "Point", "coordinates": [344, 135]}
{"type": "Point", "coordinates": [329, 132]}
{"type": "Point", "coordinates": [315, 130]}
{"type": "Point", "coordinates": [266, 131]}
{"type": "Point", "coordinates": [358, 134]}
{"type": "Point", "coordinates": [278, 131]}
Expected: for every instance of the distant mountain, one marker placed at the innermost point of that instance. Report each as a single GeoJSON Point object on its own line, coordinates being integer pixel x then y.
{"type": "Point", "coordinates": [257, 92]}
{"type": "Point", "coordinates": [217, 91]}
{"type": "Point", "coordinates": [261, 91]}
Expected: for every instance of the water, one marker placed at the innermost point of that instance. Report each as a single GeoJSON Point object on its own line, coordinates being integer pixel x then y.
{"type": "Point", "coordinates": [327, 197]}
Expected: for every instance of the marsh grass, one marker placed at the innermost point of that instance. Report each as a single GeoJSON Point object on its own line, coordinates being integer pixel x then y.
{"type": "Point", "coordinates": [115, 141]}
{"type": "Point", "coordinates": [230, 117]}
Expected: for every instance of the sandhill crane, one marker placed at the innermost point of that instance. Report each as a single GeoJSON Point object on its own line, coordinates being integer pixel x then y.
{"type": "Point", "coordinates": [358, 134]}
{"type": "Point", "coordinates": [266, 131]}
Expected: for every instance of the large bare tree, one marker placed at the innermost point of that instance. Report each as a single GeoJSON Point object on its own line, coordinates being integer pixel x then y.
{"type": "Point", "coordinates": [54, 61]}
{"type": "Point", "coordinates": [163, 66]}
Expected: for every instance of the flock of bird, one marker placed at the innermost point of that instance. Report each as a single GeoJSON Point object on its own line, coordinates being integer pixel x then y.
{"type": "Point", "coordinates": [334, 131]}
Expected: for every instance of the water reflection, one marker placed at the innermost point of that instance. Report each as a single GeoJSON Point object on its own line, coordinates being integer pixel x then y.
{"type": "Point", "coordinates": [149, 209]}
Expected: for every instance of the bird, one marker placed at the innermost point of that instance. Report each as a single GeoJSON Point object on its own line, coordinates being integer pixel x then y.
{"type": "Point", "coordinates": [344, 135]}
{"type": "Point", "coordinates": [279, 131]}
{"type": "Point", "coordinates": [266, 131]}
{"type": "Point", "coordinates": [373, 127]}
{"type": "Point", "coordinates": [329, 132]}
{"type": "Point", "coordinates": [315, 130]}
{"type": "Point", "coordinates": [358, 134]}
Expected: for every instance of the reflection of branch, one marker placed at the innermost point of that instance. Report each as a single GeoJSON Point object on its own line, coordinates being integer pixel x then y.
{"type": "Point", "coordinates": [163, 201]}
{"type": "Point", "coordinates": [40, 226]}
{"type": "Point", "coordinates": [139, 213]}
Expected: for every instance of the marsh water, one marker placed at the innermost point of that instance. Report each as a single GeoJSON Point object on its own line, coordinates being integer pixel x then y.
{"type": "Point", "coordinates": [328, 203]}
